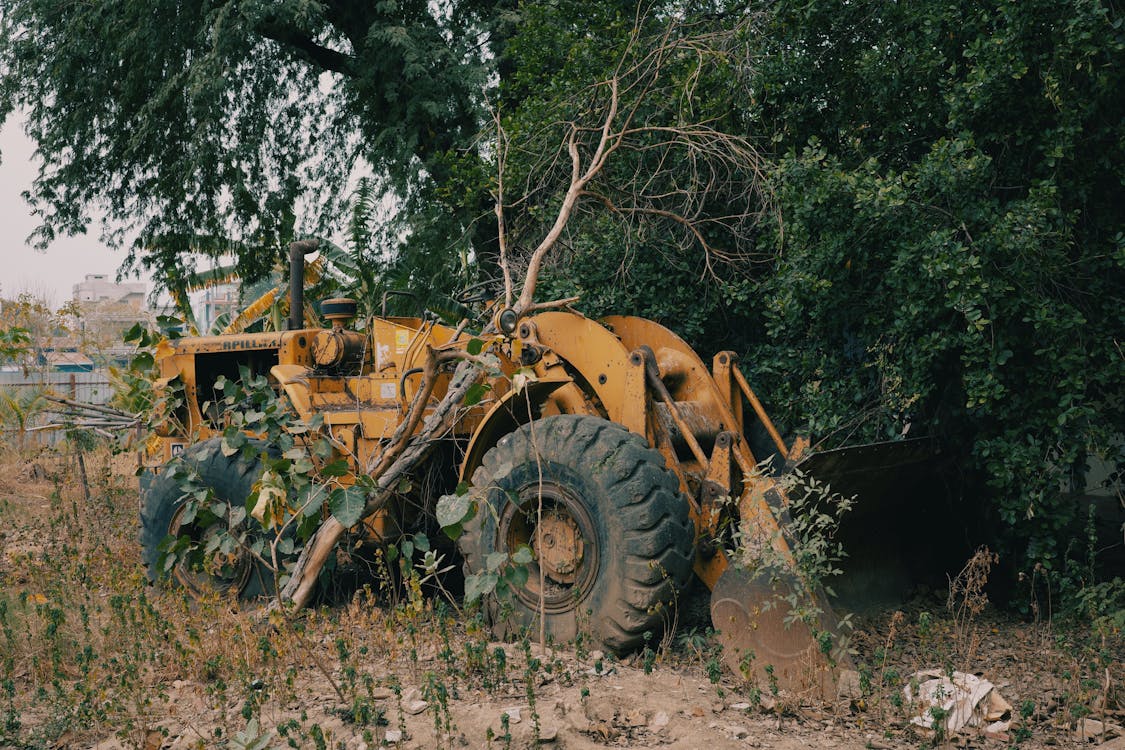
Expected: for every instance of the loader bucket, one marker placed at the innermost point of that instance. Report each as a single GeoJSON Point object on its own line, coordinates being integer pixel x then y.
{"type": "Point", "coordinates": [755, 613]}
{"type": "Point", "coordinates": [900, 530]}
{"type": "Point", "coordinates": [765, 643]}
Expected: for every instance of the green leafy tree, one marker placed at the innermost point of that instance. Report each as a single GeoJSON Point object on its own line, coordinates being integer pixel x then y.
{"type": "Point", "coordinates": [186, 119]}
{"type": "Point", "coordinates": [15, 342]}
{"type": "Point", "coordinates": [369, 267]}
{"type": "Point", "coordinates": [19, 406]}
{"type": "Point", "coordinates": [32, 317]}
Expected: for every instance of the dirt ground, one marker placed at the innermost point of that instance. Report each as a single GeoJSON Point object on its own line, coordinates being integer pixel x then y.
{"type": "Point", "coordinates": [92, 656]}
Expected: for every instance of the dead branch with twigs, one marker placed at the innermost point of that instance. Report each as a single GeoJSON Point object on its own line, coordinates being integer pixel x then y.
{"type": "Point", "coordinates": [634, 149]}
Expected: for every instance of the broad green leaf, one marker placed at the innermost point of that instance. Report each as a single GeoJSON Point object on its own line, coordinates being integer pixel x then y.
{"type": "Point", "coordinates": [133, 335]}
{"type": "Point", "coordinates": [346, 504]}
{"type": "Point", "coordinates": [475, 393]}
{"type": "Point", "coordinates": [516, 575]}
{"type": "Point", "coordinates": [478, 585]}
{"type": "Point", "coordinates": [322, 448]}
{"type": "Point", "coordinates": [311, 498]}
{"type": "Point", "coordinates": [189, 513]}
{"type": "Point", "coordinates": [337, 468]}
{"type": "Point", "coordinates": [495, 560]}
{"type": "Point", "coordinates": [307, 526]}
{"type": "Point", "coordinates": [453, 509]}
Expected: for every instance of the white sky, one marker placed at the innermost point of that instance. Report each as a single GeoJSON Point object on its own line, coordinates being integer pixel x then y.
{"type": "Point", "coordinates": [66, 262]}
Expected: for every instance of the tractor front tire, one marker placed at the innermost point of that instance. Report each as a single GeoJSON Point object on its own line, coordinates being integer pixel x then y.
{"type": "Point", "coordinates": [608, 526]}
{"type": "Point", "coordinates": [231, 479]}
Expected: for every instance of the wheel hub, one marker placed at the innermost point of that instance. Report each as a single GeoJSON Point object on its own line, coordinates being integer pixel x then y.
{"type": "Point", "coordinates": [558, 545]}
{"type": "Point", "coordinates": [217, 571]}
{"type": "Point", "coordinates": [551, 519]}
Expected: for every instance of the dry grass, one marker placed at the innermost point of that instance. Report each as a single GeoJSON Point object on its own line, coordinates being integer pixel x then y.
{"type": "Point", "coordinates": [91, 650]}
{"type": "Point", "coordinates": [88, 651]}
{"type": "Point", "coordinates": [1053, 674]}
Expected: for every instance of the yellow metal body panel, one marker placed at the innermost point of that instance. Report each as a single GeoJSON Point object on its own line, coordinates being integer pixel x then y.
{"type": "Point", "coordinates": [613, 383]}
{"type": "Point", "coordinates": [506, 415]}
{"type": "Point", "coordinates": [185, 354]}
{"type": "Point", "coordinates": [361, 412]}
{"type": "Point", "coordinates": [715, 395]}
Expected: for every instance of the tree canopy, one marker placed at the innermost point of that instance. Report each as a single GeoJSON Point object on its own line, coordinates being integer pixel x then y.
{"type": "Point", "coordinates": [948, 250]}
{"type": "Point", "coordinates": [900, 214]}
{"type": "Point", "coordinates": [240, 118]}
{"type": "Point", "coordinates": [952, 176]}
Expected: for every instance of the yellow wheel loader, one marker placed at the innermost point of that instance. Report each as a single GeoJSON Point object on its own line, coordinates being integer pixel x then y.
{"type": "Point", "coordinates": [622, 461]}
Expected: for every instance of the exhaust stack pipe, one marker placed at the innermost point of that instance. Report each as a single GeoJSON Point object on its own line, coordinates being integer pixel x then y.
{"type": "Point", "coordinates": [297, 252]}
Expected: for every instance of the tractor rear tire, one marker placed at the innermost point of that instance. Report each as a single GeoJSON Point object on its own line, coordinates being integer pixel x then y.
{"type": "Point", "coordinates": [612, 537]}
{"type": "Point", "coordinates": [231, 479]}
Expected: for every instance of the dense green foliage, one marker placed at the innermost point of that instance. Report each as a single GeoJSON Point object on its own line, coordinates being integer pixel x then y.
{"type": "Point", "coordinates": [951, 181]}
{"type": "Point", "coordinates": [927, 226]}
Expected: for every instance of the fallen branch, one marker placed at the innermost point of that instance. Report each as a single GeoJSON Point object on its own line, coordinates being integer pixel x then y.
{"type": "Point", "coordinates": [407, 449]}
{"type": "Point", "coordinates": [82, 405]}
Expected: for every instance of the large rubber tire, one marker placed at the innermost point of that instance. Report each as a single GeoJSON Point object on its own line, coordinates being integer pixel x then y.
{"type": "Point", "coordinates": [603, 484]}
{"type": "Point", "coordinates": [231, 478]}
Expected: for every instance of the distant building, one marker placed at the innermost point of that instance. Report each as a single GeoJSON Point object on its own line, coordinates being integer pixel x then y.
{"type": "Point", "coordinates": [106, 310]}
{"type": "Point", "coordinates": [217, 301]}
{"type": "Point", "coordinates": [67, 361]}
{"type": "Point", "coordinates": [98, 288]}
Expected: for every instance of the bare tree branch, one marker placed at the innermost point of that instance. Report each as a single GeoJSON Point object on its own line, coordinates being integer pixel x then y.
{"type": "Point", "coordinates": [606, 145]}
{"type": "Point", "coordinates": [644, 161]}
{"type": "Point", "coordinates": [502, 233]}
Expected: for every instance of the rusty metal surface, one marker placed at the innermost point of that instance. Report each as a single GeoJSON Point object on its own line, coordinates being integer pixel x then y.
{"type": "Point", "coordinates": [558, 544]}
{"type": "Point", "coordinates": [765, 643]}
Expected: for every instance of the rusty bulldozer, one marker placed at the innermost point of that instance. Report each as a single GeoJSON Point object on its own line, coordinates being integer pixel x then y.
{"type": "Point", "coordinates": [622, 461]}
